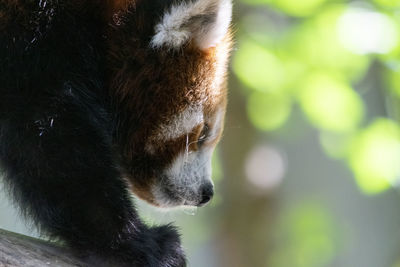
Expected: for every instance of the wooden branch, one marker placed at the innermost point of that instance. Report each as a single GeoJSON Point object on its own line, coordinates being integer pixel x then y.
{"type": "Point", "coordinates": [20, 250]}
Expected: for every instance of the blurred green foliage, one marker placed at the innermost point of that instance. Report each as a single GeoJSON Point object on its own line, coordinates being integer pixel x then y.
{"type": "Point", "coordinates": [307, 236]}
{"type": "Point", "coordinates": [317, 54]}
{"type": "Point", "coordinates": [374, 156]}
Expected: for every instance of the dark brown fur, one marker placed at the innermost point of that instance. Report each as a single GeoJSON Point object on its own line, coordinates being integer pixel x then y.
{"type": "Point", "coordinates": [172, 80]}
{"type": "Point", "coordinates": [82, 93]}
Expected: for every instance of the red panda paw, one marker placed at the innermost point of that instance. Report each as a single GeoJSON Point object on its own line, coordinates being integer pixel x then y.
{"type": "Point", "coordinates": [154, 247]}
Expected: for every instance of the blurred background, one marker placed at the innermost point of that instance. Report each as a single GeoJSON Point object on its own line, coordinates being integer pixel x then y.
{"type": "Point", "coordinates": [308, 171]}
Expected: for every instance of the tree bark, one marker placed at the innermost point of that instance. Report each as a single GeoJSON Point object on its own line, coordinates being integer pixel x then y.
{"type": "Point", "coordinates": [19, 250]}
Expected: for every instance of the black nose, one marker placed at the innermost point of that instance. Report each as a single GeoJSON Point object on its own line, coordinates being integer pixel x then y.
{"type": "Point", "coordinates": [207, 192]}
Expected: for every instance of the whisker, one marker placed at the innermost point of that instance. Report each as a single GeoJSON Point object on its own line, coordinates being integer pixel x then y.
{"type": "Point", "coordinates": [205, 139]}
{"type": "Point", "coordinates": [187, 144]}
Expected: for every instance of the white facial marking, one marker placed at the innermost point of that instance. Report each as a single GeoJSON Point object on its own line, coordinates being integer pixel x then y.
{"type": "Point", "coordinates": [220, 27]}
{"type": "Point", "coordinates": [162, 199]}
{"type": "Point", "coordinates": [206, 21]}
{"type": "Point", "coordinates": [185, 175]}
{"type": "Point", "coordinates": [181, 124]}
{"type": "Point", "coordinates": [218, 124]}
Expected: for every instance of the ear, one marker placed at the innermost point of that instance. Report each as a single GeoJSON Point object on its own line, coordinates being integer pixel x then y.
{"type": "Point", "coordinates": [204, 21]}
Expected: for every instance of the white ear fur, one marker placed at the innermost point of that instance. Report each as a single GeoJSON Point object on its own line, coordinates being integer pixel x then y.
{"type": "Point", "coordinates": [204, 21]}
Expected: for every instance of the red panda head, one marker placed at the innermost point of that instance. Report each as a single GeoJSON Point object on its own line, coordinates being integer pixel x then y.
{"type": "Point", "coordinates": [169, 92]}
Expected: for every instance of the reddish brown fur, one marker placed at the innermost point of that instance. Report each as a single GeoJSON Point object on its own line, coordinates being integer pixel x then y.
{"type": "Point", "coordinates": [149, 86]}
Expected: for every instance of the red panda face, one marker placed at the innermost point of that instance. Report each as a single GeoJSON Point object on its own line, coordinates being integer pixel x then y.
{"type": "Point", "coordinates": [186, 178]}
{"type": "Point", "coordinates": [169, 91]}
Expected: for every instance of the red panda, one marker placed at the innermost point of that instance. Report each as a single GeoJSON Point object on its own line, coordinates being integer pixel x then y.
{"type": "Point", "coordinates": [101, 96]}
{"type": "Point", "coordinates": [178, 120]}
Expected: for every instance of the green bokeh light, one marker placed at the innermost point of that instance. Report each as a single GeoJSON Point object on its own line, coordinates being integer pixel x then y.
{"type": "Point", "coordinates": [308, 60]}
{"type": "Point", "coordinates": [388, 3]}
{"type": "Point", "coordinates": [330, 103]}
{"type": "Point", "coordinates": [316, 43]}
{"type": "Point", "coordinates": [309, 237]}
{"type": "Point", "coordinates": [375, 156]}
{"type": "Point", "coordinates": [268, 111]}
{"type": "Point", "coordinates": [299, 8]}
{"type": "Point", "coordinates": [382, 36]}
{"type": "Point", "coordinates": [258, 68]}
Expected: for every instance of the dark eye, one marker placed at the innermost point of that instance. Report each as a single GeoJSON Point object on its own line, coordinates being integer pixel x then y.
{"type": "Point", "coordinates": [203, 135]}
